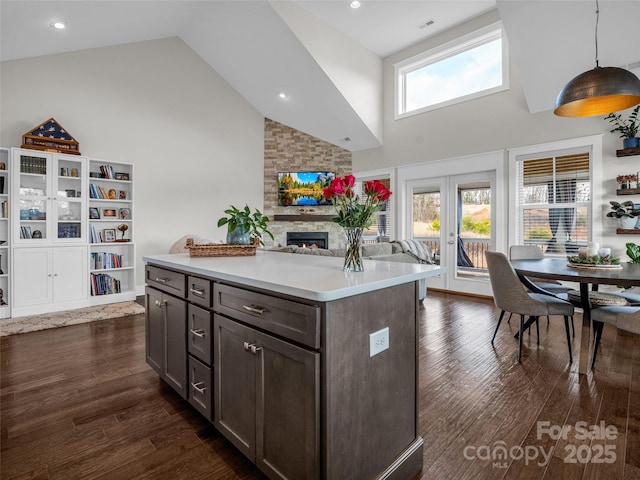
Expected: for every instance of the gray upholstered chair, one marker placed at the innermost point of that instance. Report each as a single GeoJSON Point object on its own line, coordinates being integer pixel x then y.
{"type": "Point", "coordinates": [510, 295]}
{"type": "Point", "coordinates": [533, 252]}
{"type": "Point", "coordinates": [625, 318]}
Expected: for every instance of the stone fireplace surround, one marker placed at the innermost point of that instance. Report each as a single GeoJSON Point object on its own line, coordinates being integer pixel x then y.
{"type": "Point", "coordinates": [289, 150]}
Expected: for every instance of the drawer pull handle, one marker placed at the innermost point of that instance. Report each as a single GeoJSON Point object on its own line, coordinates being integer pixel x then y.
{"type": "Point", "coordinates": [255, 349]}
{"type": "Point", "coordinates": [161, 279]}
{"type": "Point", "coordinates": [246, 346]}
{"type": "Point", "coordinates": [197, 291]}
{"type": "Point", "coordinates": [254, 309]}
{"type": "Point", "coordinates": [160, 303]}
{"type": "Point", "coordinates": [199, 333]}
{"type": "Point", "coordinates": [199, 387]}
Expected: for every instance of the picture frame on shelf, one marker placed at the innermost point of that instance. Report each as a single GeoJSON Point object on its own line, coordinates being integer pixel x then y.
{"type": "Point", "coordinates": [124, 214]}
{"type": "Point", "coordinates": [109, 212]}
{"type": "Point", "coordinates": [70, 193]}
{"type": "Point", "coordinates": [94, 213]}
{"type": "Point", "coordinates": [122, 194]}
{"type": "Point", "coordinates": [109, 234]}
{"type": "Point", "coordinates": [122, 176]}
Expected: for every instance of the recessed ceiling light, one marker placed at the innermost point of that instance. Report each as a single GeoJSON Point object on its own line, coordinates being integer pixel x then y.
{"type": "Point", "coordinates": [283, 95]}
{"type": "Point", "coordinates": [355, 4]}
{"type": "Point", "coordinates": [58, 25]}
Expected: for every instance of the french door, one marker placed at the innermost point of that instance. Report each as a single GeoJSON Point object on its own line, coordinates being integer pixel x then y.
{"type": "Point", "coordinates": [453, 215]}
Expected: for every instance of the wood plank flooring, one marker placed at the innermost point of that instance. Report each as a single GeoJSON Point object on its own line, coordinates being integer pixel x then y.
{"type": "Point", "coordinates": [80, 403]}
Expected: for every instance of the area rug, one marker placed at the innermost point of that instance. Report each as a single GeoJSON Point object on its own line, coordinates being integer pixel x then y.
{"type": "Point", "coordinates": [32, 323]}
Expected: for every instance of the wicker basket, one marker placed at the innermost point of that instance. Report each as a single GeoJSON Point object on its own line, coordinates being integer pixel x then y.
{"type": "Point", "coordinates": [221, 250]}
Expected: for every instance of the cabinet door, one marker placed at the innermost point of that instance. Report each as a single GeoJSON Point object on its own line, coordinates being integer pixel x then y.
{"type": "Point", "coordinates": [31, 191]}
{"type": "Point", "coordinates": [175, 352]}
{"type": "Point", "coordinates": [69, 273]}
{"type": "Point", "coordinates": [154, 330]}
{"type": "Point", "coordinates": [32, 277]}
{"type": "Point", "coordinates": [200, 385]}
{"type": "Point", "coordinates": [287, 410]}
{"type": "Point", "coordinates": [235, 384]}
{"type": "Point", "coordinates": [69, 193]}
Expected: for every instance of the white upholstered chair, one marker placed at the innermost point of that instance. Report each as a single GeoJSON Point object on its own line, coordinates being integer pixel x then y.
{"type": "Point", "coordinates": [625, 318]}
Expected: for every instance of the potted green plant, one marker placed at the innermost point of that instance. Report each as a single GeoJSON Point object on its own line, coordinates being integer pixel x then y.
{"type": "Point", "coordinates": [628, 128]}
{"type": "Point", "coordinates": [633, 252]}
{"type": "Point", "coordinates": [625, 212]}
{"type": "Point", "coordinates": [243, 226]}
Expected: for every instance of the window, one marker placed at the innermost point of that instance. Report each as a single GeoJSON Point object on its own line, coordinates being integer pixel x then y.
{"type": "Point", "coordinates": [473, 66]}
{"type": "Point", "coordinates": [553, 201]}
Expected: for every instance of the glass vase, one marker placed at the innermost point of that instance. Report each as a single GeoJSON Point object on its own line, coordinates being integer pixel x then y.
{"type": "Point", "coordinates": [353, 250]}
{"type": "Point", "coordinates": [238, 237]}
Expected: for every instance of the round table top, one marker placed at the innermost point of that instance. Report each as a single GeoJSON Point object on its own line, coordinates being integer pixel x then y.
{"type": "Point", "coordinates": [559, 269]}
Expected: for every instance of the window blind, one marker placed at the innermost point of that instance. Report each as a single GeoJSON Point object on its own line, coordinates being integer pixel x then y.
{"type": "Point", "coordinates": [553, 201]}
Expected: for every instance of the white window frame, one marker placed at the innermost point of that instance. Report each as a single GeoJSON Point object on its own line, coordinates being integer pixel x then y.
{"type": "Point", "coordinates": [592, 144]}
{"type": "Point", "coordinates": [447, 50]}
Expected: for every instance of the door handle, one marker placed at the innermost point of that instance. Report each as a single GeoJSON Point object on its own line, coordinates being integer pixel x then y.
{"type": "Point", "coordinates": [451, 242]}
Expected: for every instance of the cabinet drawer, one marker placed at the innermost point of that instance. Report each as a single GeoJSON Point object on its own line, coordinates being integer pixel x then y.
{"type": "Point", "coordinates": [199, 335]}
{"type": "Point", "coordinates": [166, 280]}
{"type": "Point", "coordinates": [199, 291]}
{"type": "Point", "coordinates": [286, 318]}
{"type": "Point", "coordinates": [200, 386]}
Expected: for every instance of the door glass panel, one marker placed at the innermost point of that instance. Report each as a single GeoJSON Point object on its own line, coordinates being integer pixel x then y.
{"type": "Point", "coordinates": [426, 218]}
{"type": "Point", "coordinates": [69, 219]}
{"type": "Point", "coordinates": [473, 229]}
{"type": "Point", "coordinates": [33, 218]}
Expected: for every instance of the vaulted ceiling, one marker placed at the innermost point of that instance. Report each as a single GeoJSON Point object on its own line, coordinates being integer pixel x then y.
{"type": "Point", "coordinates": [325, 56]}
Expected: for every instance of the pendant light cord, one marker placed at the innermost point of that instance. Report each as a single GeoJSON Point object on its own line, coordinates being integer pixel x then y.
{"type": "Point", "coordinates": [597, 19]}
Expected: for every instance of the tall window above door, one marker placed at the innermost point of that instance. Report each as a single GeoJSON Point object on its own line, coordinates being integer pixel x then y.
{"type": "Point", "coordinates": [470, 67]}
{"type": "Point", "coordinates": [553, 200]}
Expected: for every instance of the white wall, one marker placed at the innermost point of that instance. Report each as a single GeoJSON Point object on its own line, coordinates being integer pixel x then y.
{"type": "Point", "coordinates": [495, 122]}
{"type": "Point", "coordinates": [196, 144]}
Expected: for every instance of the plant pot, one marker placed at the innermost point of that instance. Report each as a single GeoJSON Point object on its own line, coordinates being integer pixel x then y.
{"type": "Point", "coordinates": [631, 142]}
{"type": "Point", "coordinates": [627, 223]}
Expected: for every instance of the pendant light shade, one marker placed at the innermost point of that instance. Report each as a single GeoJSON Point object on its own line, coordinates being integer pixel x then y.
{"type": "Point", "coordinates": [598, 92]}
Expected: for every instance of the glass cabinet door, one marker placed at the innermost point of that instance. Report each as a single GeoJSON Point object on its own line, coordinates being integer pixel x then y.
{"type": "Point", "coordinates": [69, 198]}
{"type": "Point", "coordinates": [33, 193]}
{"type": "Point", "coordinates": [51, 205]}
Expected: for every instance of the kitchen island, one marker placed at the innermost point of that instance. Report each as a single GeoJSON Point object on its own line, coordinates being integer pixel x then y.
{"type": "Point", "coordinates": [309, 371]}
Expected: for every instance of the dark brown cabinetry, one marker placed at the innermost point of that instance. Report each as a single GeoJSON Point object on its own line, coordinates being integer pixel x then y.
{"type": "Point", "coordinates": [292, 382]}
{"type": "Point", "coordinates": [266, 399]}
{"type": "Point", "coordinates": [166, 348]}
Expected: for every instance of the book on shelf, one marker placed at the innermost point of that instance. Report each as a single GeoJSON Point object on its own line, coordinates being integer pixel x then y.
{"type": "Point", "coordinates": [25, 232]}
{"type": "Point", "coordinates": [107, 171]}
{"type": "Point", "coordinates": [104, 284]}
{"type": "Point", "coordinates": [5, 209]}
{"type": "Point", "coordinates": [105, 260]}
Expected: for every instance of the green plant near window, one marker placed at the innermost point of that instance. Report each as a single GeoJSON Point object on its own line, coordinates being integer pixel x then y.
{"type": "Point", "coordinates": [624, 209]}
{"type": "Point", "coordinates": [628, 128]}
{"type": "Point", "coordinates": [633, 252]}
{"type": "Point", "coordinates": [245, 222]}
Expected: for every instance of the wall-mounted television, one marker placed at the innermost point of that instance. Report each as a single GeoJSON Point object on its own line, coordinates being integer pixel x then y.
{"type": "Point", "coordinates": [303, 188]}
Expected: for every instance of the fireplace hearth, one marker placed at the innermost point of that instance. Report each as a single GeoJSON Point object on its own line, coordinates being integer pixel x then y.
{"type": "Point", "coordinates": [308, 239]}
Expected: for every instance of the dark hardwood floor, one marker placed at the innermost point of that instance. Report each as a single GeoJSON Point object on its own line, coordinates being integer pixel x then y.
{"type": "Point", "coordinates": [80, 403]}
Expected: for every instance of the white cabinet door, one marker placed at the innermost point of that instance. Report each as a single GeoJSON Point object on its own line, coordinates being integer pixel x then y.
{"type": "Point", "coordinates": [32, 277]}
{"type": "Point", "coordinates": [49, 276]}
{"type": "Point", "coordinates": [69, 273]}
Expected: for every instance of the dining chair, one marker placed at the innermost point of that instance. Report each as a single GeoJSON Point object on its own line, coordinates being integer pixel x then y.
{"type": "Point", "coordinates": [555, 287]}
{"type": "Point", "coordinates": [625, 318]}
{"type": "Point", "coordinates": [510, 295]}
{"type": "Point", "coordinates": [533, 252]}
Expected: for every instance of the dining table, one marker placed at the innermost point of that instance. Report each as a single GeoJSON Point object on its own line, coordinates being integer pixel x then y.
{"type": "Point", "coordinates": [589, 277]}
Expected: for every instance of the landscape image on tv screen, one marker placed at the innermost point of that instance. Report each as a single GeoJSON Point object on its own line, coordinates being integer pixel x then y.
{"type": "Point", "coordinates": [303, 188]}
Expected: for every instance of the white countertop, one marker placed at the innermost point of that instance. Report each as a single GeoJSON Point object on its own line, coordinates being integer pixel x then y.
{"type": "Point", "coordinates": [306, 276]}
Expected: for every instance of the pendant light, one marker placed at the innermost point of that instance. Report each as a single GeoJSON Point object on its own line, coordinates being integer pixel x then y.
{"type": "Point", "coordinates": [599, 91]}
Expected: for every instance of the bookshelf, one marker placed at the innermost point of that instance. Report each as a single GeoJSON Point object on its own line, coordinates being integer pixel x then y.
{"type": "Point", "coordinates": [111, 232]}
{"type": "Point", "coordinates": [5, 232]}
